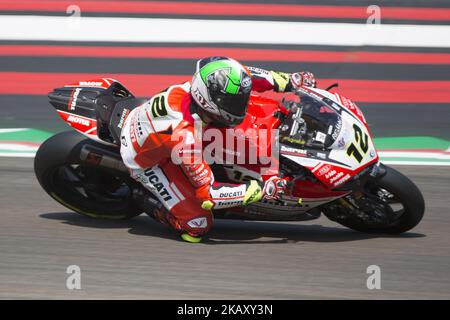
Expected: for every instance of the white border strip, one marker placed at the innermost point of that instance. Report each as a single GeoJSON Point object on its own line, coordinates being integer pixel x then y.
{"type": "Point", "coordinates": [114, 29]}
{"type": "Point", "coordinates": [417, 163]}
{"type": "Point", "coordinates": [17, 154]}
{"type": "Point", "coordinates": [9, 130]}
{"type": "Point", "coordinates": [415, 154]}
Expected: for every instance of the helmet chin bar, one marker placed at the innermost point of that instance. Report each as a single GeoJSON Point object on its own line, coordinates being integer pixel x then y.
{"type": "Point", "coordinates": [208, 117]}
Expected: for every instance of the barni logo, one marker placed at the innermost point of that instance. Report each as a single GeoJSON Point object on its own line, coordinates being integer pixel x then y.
{"type": "Point", "coordinates": [83, 122]}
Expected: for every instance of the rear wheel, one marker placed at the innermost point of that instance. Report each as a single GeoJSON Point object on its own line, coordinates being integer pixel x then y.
{"type": "Point", "coordinates": [86, 189]}
{"type": "Point", "coordinates": [390, 205]}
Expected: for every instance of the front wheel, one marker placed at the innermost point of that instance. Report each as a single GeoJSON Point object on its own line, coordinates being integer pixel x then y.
{"type": "Point", "coordinates": [391, 204]}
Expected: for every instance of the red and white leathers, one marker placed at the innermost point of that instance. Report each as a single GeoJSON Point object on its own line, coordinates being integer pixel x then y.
{"type": "Point", "coordinates": [147, 150]}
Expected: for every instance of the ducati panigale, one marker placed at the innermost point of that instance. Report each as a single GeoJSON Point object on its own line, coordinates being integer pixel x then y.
{"type": "Point", "coordinates": [324, 144]}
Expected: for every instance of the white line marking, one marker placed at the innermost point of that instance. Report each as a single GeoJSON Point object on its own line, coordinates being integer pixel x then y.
{"type": "Point", "coordinates": [17, 147]}
{"type": "Point", "coordinates": [218, 31]}
{"type": "Point", "coordinates": [13, 130]}
{"type": "Point", "coordinates": [17, 154]}
{"type": "Point", "coordinates": [417, 163]}
{"type": "Point", "coordinates": [406, 154]}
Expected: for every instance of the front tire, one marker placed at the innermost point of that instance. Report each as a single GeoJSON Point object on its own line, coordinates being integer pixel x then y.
{"type": "Point", "coordinates": [86, 189]}
{"type": "Point", "coordinates": [392, 188]}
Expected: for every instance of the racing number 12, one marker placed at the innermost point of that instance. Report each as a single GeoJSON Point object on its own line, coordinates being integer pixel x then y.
{"type": "Point", "coordinates": [363, 140]}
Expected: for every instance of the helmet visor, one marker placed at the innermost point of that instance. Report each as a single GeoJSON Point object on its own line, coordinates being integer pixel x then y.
{"type": "Point", "coordinates": [232, 107]}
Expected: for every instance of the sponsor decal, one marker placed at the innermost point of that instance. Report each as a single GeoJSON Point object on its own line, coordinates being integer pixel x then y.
{"type": "Point", "coordinates": [123, 117]}
{"type": "Point", "coordinates": [232, 194]}
{"type": "Point", "coordinates": [342, 180]}
{"type": "Point", "coordinates": [341, 143]}
{"type": "Point", "coordinates": [198, 223]}
{"type": "Point", "coordinates": [246, 82]}
{"type": "Point", "coordinates": [159, 107]}
{"type": "Point", "coordinates": [320, 136]}
{"type": "Point", "coordinates": [153, 179]}
{"type": "Point", "coordinates": [91, 83]}
{"type": "Point", "coordinates": [337, 129]}
{"type": "Point", "coordinates": [133, 129]}
{"type": "Point", "coordinates": [321, 155]}
{"type": "Point", "coordinates": [330, 174]}
{"type": "Point", "coordinates": [294, 140]}
{"type": "Point", "coordinates": [73, 101]}
{"type": "Point", "coordinates": [293, 151]}
{"type": "Point", "coordinates": [228, 204]}
{"type": "Point", "coordinates": [335, 177]}
{"type": "Point", "coordinates": [78, 120]}
{"type": "Point", "coordinates": [201, 177]}
{"type": "Point", "coordinates": [259, 71]}
{"type": "Point", "coordinates": [324, 170]}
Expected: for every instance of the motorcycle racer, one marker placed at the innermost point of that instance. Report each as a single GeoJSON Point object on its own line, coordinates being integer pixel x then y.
{"type": "Point", "coordinates": [218, 96]}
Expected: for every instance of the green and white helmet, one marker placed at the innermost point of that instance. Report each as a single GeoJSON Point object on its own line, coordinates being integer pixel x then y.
{"type": "Point", "coordinates": [221, 88]}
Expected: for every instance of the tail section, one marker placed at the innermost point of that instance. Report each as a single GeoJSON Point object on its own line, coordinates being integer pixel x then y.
{"type": "Point", "coordinates": [87, 106]}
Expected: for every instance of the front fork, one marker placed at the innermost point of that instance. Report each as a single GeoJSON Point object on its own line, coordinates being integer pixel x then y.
{"type": "Point", "coordinates": [358, 189]}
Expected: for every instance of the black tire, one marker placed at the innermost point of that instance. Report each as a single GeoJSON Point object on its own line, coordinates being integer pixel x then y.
{"type": "Point", "coordinates": [404, 191]}
{"type": "Point", "coordinates": [61, 154]}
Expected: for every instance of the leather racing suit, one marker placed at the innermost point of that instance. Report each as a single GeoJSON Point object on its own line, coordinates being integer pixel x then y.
{"type": "Point", "coordinates": [183, 189]}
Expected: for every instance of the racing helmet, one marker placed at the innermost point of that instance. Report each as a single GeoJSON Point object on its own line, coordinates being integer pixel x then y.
{"type": "Point", "coordinates": [221, 88]}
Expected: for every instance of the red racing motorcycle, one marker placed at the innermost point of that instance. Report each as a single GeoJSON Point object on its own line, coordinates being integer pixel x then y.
{"type": "Point", "coordinates": [323, 142]}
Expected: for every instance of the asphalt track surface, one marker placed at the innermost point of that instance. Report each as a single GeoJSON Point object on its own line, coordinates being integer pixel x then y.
{"type": "Point", "coordinates": [142, 259]}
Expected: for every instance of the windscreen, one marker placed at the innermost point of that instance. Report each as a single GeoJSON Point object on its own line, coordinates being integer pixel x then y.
{"type": "Point", "coordinates": [323, 123]}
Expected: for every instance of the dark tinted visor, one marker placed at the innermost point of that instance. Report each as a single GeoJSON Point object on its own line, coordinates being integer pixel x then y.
{"type": "Point", "coordinates": [235, 104]}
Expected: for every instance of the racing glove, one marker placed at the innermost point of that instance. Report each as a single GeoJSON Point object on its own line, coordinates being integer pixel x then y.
{"type": "Point", "coordinates": [272, 189]}
{"type": "Point", "coordinates": [303, 79]}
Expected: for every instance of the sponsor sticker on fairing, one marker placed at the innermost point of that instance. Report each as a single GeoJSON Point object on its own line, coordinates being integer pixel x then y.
{"type": "Point", "coordinates": [320, 137]}
{"type": "Point", "coordinates": [342, 180]}
{"type": "Point", "coordinates": [91, 83]}
{"type": "Point", "coordinates": [73, 101]}
{"type": "Point", "coordinates": [293, 151]}
{"type": "Point", "coordinates": [123, 117]}
{"type": "Point", "coordinates": [335, 177]}
{"type": "Point", "coordinates": [321, 155]}
{"type": "Point", "coordinates": [324, 170]}
{"type": "Point", "coordinates": [78, 120]}
{"type": "Point", "coordinates": [341, 143]}
{"type": "Point", "coordinates": [337, 129]}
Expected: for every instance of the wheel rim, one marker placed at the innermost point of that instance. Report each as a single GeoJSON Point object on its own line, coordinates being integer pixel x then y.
{"type": "Point", "coordinates": [83, 184]}
{"type": "Point", "coordinates": [381, 207]}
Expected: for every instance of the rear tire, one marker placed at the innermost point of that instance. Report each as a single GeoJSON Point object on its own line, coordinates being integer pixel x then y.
{"type": "Point", "coordinates": [86, 189]}
{"type": "Point", "coordinates": [406, 193]}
